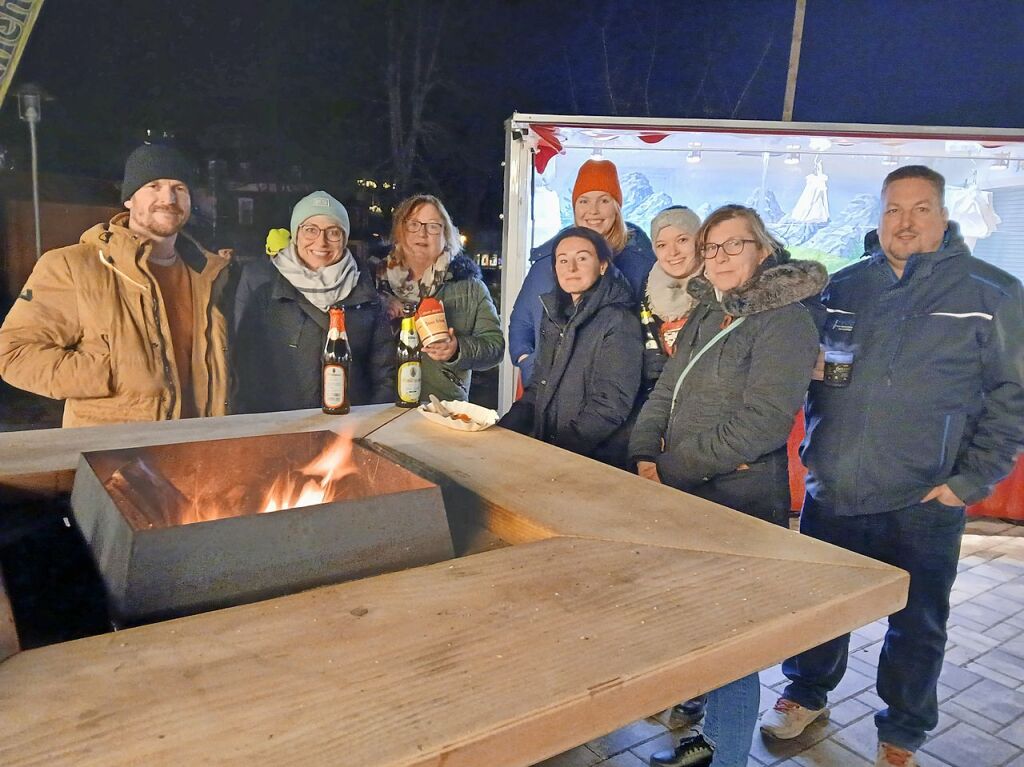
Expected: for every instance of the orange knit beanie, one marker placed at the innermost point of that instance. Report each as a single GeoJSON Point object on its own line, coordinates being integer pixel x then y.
{"type": "Point", "coordinates": [597, 176]}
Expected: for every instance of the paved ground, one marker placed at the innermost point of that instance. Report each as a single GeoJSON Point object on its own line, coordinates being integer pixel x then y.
{"type": "Point", "coordinates": [981, 691]}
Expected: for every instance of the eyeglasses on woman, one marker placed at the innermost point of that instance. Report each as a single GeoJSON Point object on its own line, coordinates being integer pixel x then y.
{"type": "Point", "coordinates": [312, 232]}
{"type": "Point", "coordinates": [731, 247]}
{"type": "Point", "coordinates": [433, 227]}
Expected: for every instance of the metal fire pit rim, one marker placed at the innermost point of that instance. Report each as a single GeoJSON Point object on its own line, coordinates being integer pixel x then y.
{"type": "Point", "coordinates": [399, 462]}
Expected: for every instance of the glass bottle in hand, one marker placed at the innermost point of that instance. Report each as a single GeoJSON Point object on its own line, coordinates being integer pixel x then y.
{"type": "Point", "coordinates": [409, 381]}
{"type": "Point", "coordinates": [336, 361]}
{"type": "Point", "coordinates": [647, 321]}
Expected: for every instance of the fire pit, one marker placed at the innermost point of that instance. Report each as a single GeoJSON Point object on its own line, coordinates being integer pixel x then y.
{"type": "Point", "coordinates": [187, 527]}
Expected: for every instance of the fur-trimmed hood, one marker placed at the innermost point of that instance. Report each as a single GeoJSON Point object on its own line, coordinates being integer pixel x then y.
{"type": "Point", "coordinates": [779, 281]}
{"type": "Point", "coordinates": [462, 267]}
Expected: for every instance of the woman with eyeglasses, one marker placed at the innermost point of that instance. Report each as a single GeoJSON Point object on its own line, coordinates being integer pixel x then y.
{"type": "Point", "coordinates": [281, 315]}
{"type": "Point", "coordinates": [717, 421]}
{"type": "Point", "coordinates": [426, 260]}
{"type": "Point", "coordinates": [597, 205]}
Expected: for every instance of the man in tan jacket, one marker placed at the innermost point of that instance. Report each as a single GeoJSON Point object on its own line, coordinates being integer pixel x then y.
{"type": "Point", "coordinates": [126, 325]}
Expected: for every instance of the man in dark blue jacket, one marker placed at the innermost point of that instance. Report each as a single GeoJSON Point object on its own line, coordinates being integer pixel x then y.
{"type": "Point", "coordinates": [930, 418]}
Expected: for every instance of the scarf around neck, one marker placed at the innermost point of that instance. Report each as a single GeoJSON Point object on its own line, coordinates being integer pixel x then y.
{"type": "Point", "coordinates": [321, 287]}
{"type": "Point", "coordinates": [410, 290]}
{"type": "Point", "coordinates": [667, 295]}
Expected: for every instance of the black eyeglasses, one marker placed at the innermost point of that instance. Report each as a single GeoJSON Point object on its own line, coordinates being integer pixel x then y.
{"type": "Point", "coordinates": [312, 232]}
{"type": "Point", "coordinates": [412, 226]}
{"type": "Point", "coordinates": [731, 247]}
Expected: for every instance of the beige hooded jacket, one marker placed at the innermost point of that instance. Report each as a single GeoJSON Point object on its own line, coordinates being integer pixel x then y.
{"type": "Point", "coordinates": [89, 327]}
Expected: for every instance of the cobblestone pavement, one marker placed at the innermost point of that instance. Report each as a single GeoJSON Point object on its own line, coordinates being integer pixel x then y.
{"type": "Point", "coordinates": [981, 690]}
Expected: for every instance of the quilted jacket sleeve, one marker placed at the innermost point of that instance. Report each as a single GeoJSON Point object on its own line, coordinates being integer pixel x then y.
{"type": "Point", "coordinates": [42, 349]}
{"type": "Point", "coordinates": [482, 348]}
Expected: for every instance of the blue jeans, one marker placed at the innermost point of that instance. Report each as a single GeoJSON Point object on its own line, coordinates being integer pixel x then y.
{"type": "Point", "coordinates": [762, 491]}
{"type": "Point", "coordinates": [730, 720]}
{"type": "Point", "coordinates": [924, 540]}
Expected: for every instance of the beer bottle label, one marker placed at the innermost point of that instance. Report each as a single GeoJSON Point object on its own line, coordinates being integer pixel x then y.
{"type": "Point", "coordinates": [409, 382]}
{"type": "Point", "coordinates": [334, 385]}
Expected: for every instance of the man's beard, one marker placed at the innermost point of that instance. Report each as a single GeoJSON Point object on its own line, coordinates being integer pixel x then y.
{"type": "Point", "coordinates": [160, 226]}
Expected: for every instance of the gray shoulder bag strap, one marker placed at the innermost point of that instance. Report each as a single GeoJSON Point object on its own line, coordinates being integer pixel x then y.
{"type": "Point", "coordinates": [693, 360]}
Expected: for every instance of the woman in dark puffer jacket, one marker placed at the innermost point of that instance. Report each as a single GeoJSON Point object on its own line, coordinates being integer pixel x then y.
{"type": "Point", "coordinates": [718, 419]}
{"type": "Point", "coordinates": [587, 373]}
{"type": "Point", "coordinates": [281, 318]}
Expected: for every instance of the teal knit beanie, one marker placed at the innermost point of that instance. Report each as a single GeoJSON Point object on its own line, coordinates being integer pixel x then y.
{"type": "Point", "coordinates": [319, 204]}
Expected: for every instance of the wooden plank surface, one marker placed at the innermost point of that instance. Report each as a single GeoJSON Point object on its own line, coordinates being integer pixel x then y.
{"type": "Point", "coordinates": [536, 491]}
{"type": "Point", "coordinates": [529, 649]}
{"type": "Point", "coordinates": [621, 598]}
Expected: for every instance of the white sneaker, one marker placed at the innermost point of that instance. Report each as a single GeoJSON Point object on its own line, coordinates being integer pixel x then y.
{"type": "Point", "coordinates": [894, 756]}
{"type": "Point", "coordinates": [787, 719]}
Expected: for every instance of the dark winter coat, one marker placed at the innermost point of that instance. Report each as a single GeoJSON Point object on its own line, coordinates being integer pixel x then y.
{"type": "Point", "coordinates": [280, 337]}
{"type": "Point", "coordinates": [936, 393]}
{"type": "Point", "coordinates": [725, 437]}
{"type": "Point", "coordinates": [634, 261]}
{"type": "Point", "coordinates": [587, 373]}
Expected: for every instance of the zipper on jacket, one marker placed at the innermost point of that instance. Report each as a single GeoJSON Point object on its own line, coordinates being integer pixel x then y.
{"type": "Point", "coordinates": [561, 334]}
{"type": "Point", "coordinates": [173, 395]}
{"type": "Point", "coordinates": [108, 262]}
{"type": "Point", "coordinates": [694, 346]}
{"type": "Point", "coordinates": [896, 352]}
{"type": "Point", "coordinates": [453, 378]}
{"type": "Point", "coordinates": [945, 440]}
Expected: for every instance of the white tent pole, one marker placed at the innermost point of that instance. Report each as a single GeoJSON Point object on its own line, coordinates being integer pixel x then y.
{"type": "Point", "coordinates": [794, 60]}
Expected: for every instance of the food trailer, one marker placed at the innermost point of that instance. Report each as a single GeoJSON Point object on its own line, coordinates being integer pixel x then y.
{"type": "Point", "coordinates": [816, 185]}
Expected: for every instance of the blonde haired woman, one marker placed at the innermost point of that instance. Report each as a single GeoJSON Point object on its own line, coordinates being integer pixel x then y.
{"type": "Point", "coordinates": [597, 205]}
{"type": "Point", "coordinates": [427, 261]}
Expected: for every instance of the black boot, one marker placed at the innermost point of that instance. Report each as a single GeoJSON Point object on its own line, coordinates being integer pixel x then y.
{"type": "Point", "coordinates": [696, 751]}
{"type": "Point", "coordinates": [687, 713]}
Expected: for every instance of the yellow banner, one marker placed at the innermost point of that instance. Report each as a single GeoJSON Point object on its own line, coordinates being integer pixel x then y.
{"type": "Point", "coordinates": [16, 20]}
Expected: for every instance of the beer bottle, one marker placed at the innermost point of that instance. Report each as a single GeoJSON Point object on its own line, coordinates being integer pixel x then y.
{"type": "Point", "coordinates": [647, 320]}
{"type": "Point", "coordinates": [336, 361]}
{"type": "Point", "coordinates": [409, 382]}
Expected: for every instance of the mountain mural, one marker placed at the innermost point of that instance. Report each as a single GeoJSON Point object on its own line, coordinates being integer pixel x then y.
{"type": "Point", "coordinates": [766, 204]}
{"type": "Point", "coordinates": [844, 235]}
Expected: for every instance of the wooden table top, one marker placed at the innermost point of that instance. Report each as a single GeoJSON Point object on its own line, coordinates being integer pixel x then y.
{"type": "Point", "coordinates": [617, 598]}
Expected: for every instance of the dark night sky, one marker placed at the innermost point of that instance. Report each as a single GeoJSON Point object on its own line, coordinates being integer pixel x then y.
{"type": "Point", "coordinates": [305, 81]}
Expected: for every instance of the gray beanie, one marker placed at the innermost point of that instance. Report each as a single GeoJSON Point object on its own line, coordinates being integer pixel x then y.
{"type": "Point", "coordinates": [678, 216]}
{"type": "Point", "coordinates": [319, 204]}
{"type": "Point", "coordinates": [152, 161]}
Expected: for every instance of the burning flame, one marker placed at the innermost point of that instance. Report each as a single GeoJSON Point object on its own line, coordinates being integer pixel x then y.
{"type": "Point", "coordinates": [148, 499]}
{"type": "Point", "coordinates": [315, 482]}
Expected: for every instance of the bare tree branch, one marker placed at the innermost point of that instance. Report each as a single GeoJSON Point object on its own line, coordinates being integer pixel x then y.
{"type": "Point", "coordinates": [572, 80]}
{"type": "Point", "coordinates": [700, 87]}
{"type": "Point", "coordinates": [607, 70]}
{"type": "Point", "coordinates": [753, 75]}
{"type": "Point", "coordinates": [413, 74]}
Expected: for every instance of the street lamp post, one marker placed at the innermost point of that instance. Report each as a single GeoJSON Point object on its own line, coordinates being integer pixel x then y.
{"type": "Point", "coordinates": [30, 109]}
